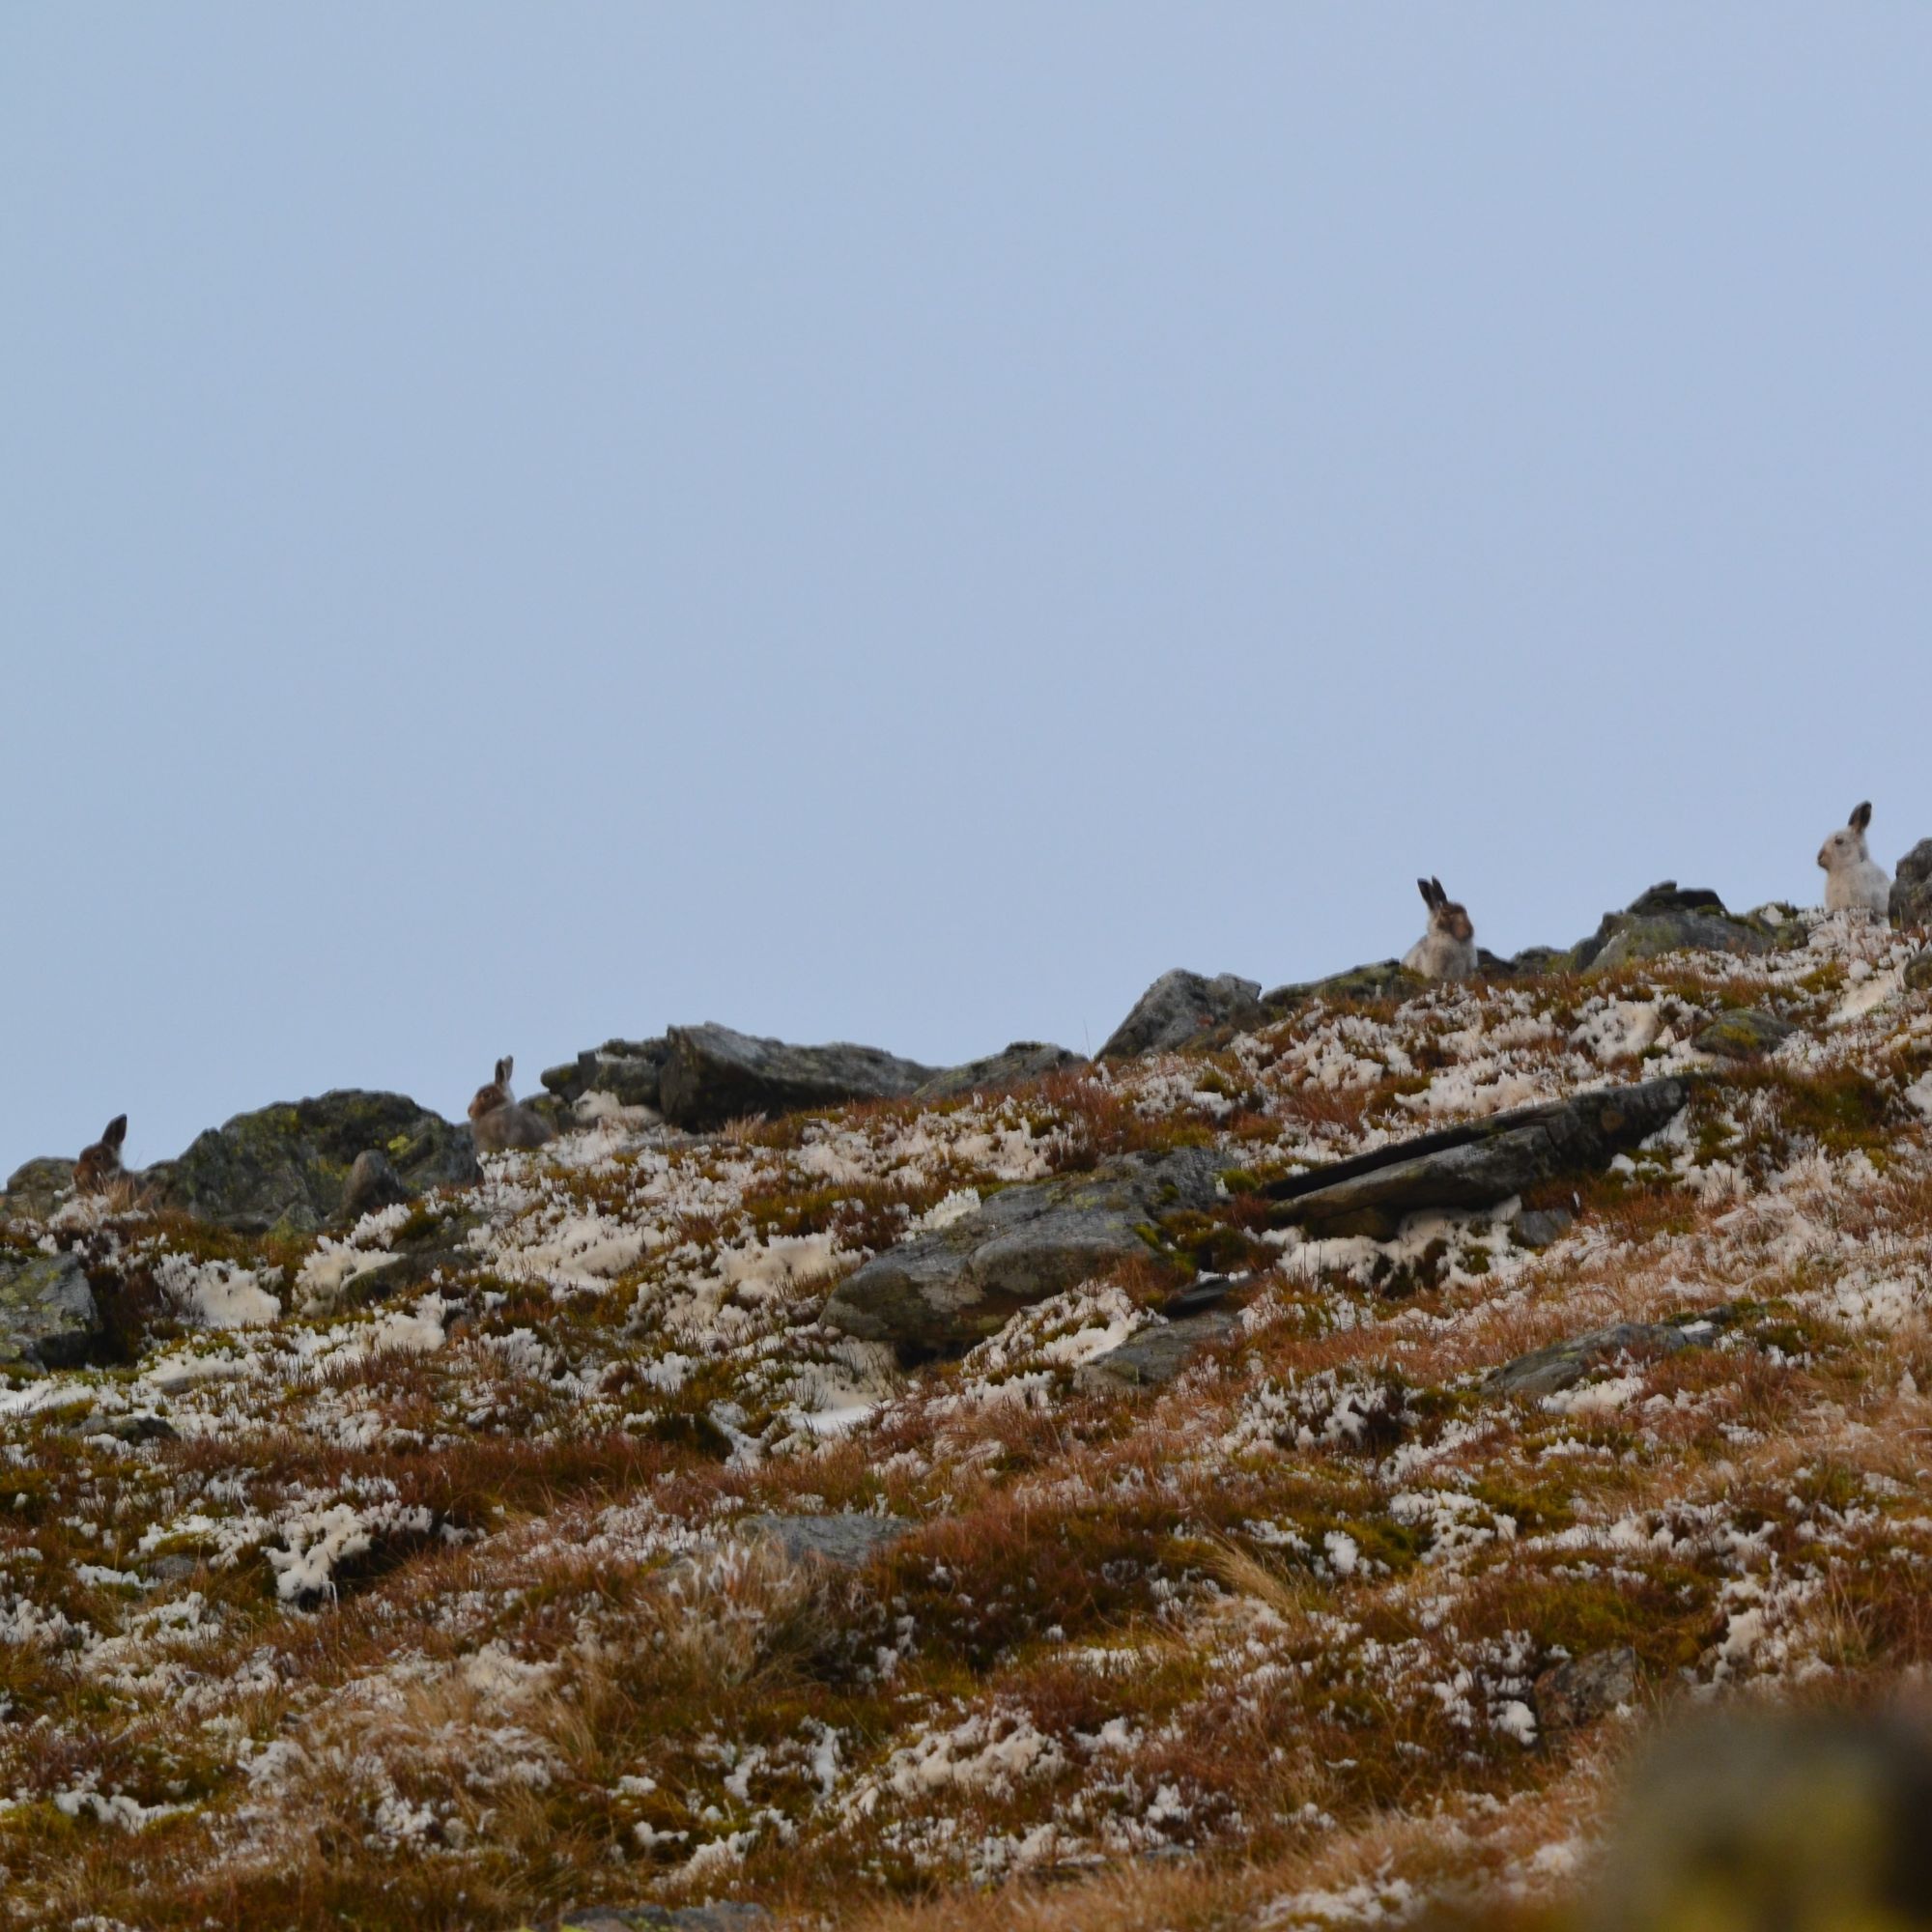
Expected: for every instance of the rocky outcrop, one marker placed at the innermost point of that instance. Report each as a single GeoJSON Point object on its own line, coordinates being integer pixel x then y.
{"type": "Point", "coordinates": [36, 1188]}
{"type": "Point", "coordinates": [1386, 978]}
{"type": "Point", "coordinates": [1023, 1060]}
{"type": "Point", "coordinates": [48, 1317]}
{"type": "Point", "coordinates": [627, 1069]}
{"type": "Point", "coordinates": [1478, 1165]}
{"type": "Point", "coordinates": [712, 1075]}
{"type": "Point", "coordinates": [944, 1290]}
{"type": "Point", "coordinates": [1912, 888]}
{"type": "Point", "coordinates": [1180, 1006]}
{"type": "Point", "coordinates": [287, 1167]}
{"type": "Point", "coordinates": [1669, 919]}
{"type": "Point", "coordinates": [1157, 1356]}
{"type": "Point", "coordinates": [1564, 1364]}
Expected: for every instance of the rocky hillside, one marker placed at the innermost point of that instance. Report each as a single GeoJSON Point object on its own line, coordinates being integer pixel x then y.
{"type": "Point", "coordinates": [1269, 1476]}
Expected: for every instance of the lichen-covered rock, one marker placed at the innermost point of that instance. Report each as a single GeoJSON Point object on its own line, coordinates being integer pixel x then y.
{"type": "Point", "coordinates": [48, 1317]}
{"type": "Point", "coordinates": [1669, 919]}
{"type": "Point", "coordinates": [845, 1539]}
{"type": "Point", "coordinates": [36, 1188]}
{"type": "Point", "coordinates": [945, 1289]}
{"type": "Point", "coordinates": [1023, 1060]}
{"type": "Point", "coordinates": [627, 1069]}
{"type": "Point", "coordinates": [1156, 1355]}
{"type": "Point", "coordinates": [289, 1166]}
{"type": "Point", "coordinates": [1912, 887]}
{"type": "Point", "coordinates": [1585, 1689]}
{"type": "Point", "coordinates": [1743, 1034]}
{"type": "Point", "coordinates": [1477, 1165]}
{"type": "Point", "coordinates": [1564, 1364]}
{"type": "Point", "coordinates": [373, 1185]}
{"type": "Point", "coordinates": [711, 1076]}
{"type": "Point", "coordinates": [1386, 978]}
{"type": "Point", "coordinates": [1180, 1006]}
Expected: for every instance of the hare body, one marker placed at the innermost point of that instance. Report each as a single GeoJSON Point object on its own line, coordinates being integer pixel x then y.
{"type": "Point", "coordinates": [1447, 951]}
{"type": "Point", "coordinates": [98, 1167]}
{"type": "Point", "coordinates": [498, 1123]}
{"type": "Point", "coordinates": [1854, 881]}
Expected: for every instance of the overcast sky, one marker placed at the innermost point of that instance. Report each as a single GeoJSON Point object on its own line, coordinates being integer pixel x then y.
{"type": "Point", "coordinates": [522, 524]}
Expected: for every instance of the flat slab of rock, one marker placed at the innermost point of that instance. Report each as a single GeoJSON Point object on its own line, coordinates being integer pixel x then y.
{"type": "Point", "coordinates": [711, 1076]}
{"type": "Point", "coordinates": [1180, 1006]}
{"type": "Point", "coordinates": [48, 1317]}
{"type": "Point", "coordinates": [36, 1188]}
{"type": "Point", "coordinates": [289, 1166]}
{"type": "Point", "coordinates": [1023, 1060]}
{"type": "Point", "coordinates": [849, 1539]}
{"type": "Point", "coordinates": [1477, 1165]}
{"type": "Point", "coordinates": [1585, 1689]}
{"type": "Point", "coordinates": [944, 1290]}
{"type": "Point", "coordinates": [1155, 1356]}
{"type": "Point", "coordinates": [1564, 1364]}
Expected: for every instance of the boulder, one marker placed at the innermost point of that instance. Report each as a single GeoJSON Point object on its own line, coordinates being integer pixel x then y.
{"type": "Point", "coordinates": [711, 1076]}
{"type": "Point", "coordinates": [36, 1188]}
{"type": "Point", "coordinates": [1912, 888]}
{"type": "Point", "coordinates": [1180, 1006]}
{"type": "Point", "coordinates": [1669, 919]}
{"type": "Point", "coordinates": [1023, 1060]}
{"type": "Point", "coordinates": [1585, 1689]}
{"type": "Point", "coordinates": [1564, 1364]}
{"type": "Point", "coordinates": [1537, 1227]}
{"type": "Point", "coordinates": [1157, 1356]}
{"type": "Point", "coordinates": [947, 1289]}
{"type": "Point", "coordinates": [48, 1319]}
{"type": "Point", "coordinates": [1477, 1165]}
{"type": "Point", "coordinates": [287, 1167]}
{"type": "Point", "coordinates": [373, 1185]}
{"type": "Point", "coordinates": [627, 1069]}
{"type": "Point", "coordinates": [846, 1540]}
{"type": "Point", "coordinates": [1744, 1034]}
{"type": "Point", "coordinates": [1919, 971]}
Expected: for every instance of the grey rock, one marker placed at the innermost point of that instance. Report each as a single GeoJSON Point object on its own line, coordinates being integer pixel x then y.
{"type": "Point", "coordinates": [1385, 980]}
{"type": "Point", "coordinates": [1157, 1356]}
{"type": "Point", "coordinates": [1180, 1006]}
{"type": "Point", "coordinates": [289, 1166]}
{"type": "Point", "coordinates": [1477, 1165]}
{"type": "Point", "coordinates": [1564, 1364]}
{"type": "Point", "coordinates": [1537, 1227]}
{"type": "Point", "coordinates": [726, 1916]}
{"type": "Point", "coordinates": [1535, 959]}
{"type": "Point", "coordinates": [1918, 972]}
{"type": "Point", "coordinates": [949, 1288]}
{"type": "Point", "coordinates": [712, 1075]}
{"type": "Point", "coordinates": [1585, 1689]}
{"type": "Point", "coordinates": [1667, 919]}
{"type": "Point", "coordinates": [1743, 1034]}
{"type": "Point", "coordinates": [373, 1185]}
{"type": "Point", "coordinates": [627, 1069]}
{"type": "Point", "coordinates": [48, 1317]}
{"type": "Point", "coordinates": [36, 1188]}
{"type": "Point", "coordinates": [1023, 1060]}
{"type": "Point", "coordinates": [1912, 887]}
{"type": "Point", "coordinates": [847, 1539]}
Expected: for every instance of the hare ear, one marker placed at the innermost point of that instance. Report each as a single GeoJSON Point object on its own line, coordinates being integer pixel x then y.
{"type": "Point", "coordinates": [1862, 817]}
{"type": "Point", "coordinates": [1428, 897]}
{"type": "Point", "coordinates": [1442, 893]}
{"type": "Point", "coordinates": [504, 1067]}
{"type": "Point", "coordinates": [117, 1132]}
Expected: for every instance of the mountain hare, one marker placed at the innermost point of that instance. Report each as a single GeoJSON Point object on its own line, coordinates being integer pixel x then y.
{"type": "Point", "coordinates": [498, 1123]}
{"type": "Point", "coordinates": [1853, 881]}
{"type": "Point", "coordinates": [98, 1168]}
{"type": "Point", "coordinates": [1447, 951]}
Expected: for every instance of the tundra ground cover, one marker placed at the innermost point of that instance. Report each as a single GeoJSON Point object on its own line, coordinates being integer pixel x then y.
{"type": "Point", "coordinates": [401, 1576]}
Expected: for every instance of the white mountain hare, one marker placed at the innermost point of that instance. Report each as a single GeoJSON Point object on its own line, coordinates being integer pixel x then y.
{"type": "Point", "coordinates": [1854, 882]}
{"type": "Point", "coordinates": [498, 1122]}
{"type": "Point", "coordinates": [1447, 951]}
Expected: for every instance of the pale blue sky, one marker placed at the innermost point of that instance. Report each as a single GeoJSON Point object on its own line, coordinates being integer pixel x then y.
{"type": "Point", "coordinates": [525, 524]}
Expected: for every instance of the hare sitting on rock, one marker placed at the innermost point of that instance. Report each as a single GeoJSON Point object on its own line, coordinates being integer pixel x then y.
{"type": "Point", "coordinates": [499, 1122]}
{"type": "Point", "coordinates": [1853, 881]}
{"type": "Point", "coordinates": [1447, 951]}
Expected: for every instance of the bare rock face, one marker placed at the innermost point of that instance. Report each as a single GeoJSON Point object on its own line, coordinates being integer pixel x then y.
{"type": "Point", "coordinates": [1478, 1165]}
{"type": "Point", "coordinates": [48, 1319]}
{"type": "Point", "coordinates": [711, 1076]}
{"type": "Point", "coordinates": [1180, 1006]}
{"type": "Point", "coordinates": [944, 1291]}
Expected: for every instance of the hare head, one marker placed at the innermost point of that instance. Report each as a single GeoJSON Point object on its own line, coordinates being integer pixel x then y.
{"type": "Point", "coordinates": [98, 1167]}
{"type": "Point", "coordinates": [498, 1092]}
{"type": "Point", "coordinates": [1846, 847]}
{"type": "Point", "coordinates": [1445, 915]}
